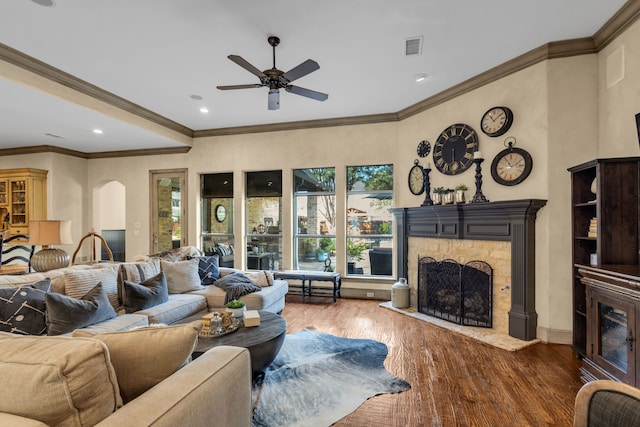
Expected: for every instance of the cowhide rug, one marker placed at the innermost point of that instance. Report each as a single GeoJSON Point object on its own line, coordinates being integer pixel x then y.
{"type": "Point", "coordinates": [318, 378]}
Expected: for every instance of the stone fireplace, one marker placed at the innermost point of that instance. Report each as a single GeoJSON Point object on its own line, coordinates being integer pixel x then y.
{"type": "Point", "coordinates": [499, 233]}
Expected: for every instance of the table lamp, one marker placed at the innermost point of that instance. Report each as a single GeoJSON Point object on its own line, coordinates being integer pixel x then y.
{"type": "Point", "coordinates": [46, 233]}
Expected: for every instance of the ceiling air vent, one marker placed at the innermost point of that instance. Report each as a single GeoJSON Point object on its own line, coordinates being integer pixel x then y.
{"type": "Point", "coordinates": [413, 46]}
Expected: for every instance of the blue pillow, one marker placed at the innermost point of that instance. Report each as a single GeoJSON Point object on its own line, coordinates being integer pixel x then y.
{"type": "Point", "coordinates": [208, 269]}
{"type": "Point", "coordinates": [22, 309]}
{"type": "Point", "coordinates": [146, 294]}
{"type": "Point", "coordinates": [64, 314]}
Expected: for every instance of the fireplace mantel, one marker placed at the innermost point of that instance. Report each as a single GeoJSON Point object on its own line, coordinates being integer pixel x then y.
{"type": "Point", "coordinates": [512, 221]}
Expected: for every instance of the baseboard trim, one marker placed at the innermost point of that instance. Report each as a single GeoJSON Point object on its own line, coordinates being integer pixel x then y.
{"type": "Point", "coordinates": [554, 336]}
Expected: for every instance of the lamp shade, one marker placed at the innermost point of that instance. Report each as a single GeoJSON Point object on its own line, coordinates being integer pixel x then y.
{"type": "Point", "coordinates": [50, 232]}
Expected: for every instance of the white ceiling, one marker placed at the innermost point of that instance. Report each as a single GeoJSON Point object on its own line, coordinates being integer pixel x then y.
{"type": "Point", "coordinates": [157, 53]}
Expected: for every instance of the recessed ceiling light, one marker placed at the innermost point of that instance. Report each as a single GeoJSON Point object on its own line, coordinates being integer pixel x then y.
{"type": "Point", "coordinates": [204, 110]}
{"type": "Point", "coordinates": [196, 97]}
{"type": "Point", "coordinates": [98, 131]}
{"type": "Point", "coordinates": [47, 3]}
{"type": "Point", "coordinates": [421, 77]}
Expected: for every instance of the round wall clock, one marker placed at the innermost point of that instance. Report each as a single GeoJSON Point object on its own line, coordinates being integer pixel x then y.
{"type": "Point", "coordinates": [496, 121]}
{"type": "Point", "coordinates": [424, 148]}
{"type": "Point", "coordinates": [511, 166]}
{"type": "Point", "coordinates": [221, 213]}
{"type": "Point", "coordinates": [453, 150]}
{"type": "Point", "coordinates": [416, 179]}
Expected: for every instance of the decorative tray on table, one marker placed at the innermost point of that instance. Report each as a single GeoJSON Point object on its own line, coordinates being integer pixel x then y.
{"type": "Point", "coordinates": [229, 324]}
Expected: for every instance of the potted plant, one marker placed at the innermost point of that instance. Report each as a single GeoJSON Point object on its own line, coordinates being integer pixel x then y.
{"type": "Point", "coordinates": [460, 189]}
{"type": "Point", "coordinates": [437, 195]}
{"type": "Point", "coordinates": [325, 246]}
{"type": "Point", "coordinates": [447, 196]}
{"type": "Point", "coordinates": [236, 307]}
{"type": "Point", "coordinates": [355, 248]}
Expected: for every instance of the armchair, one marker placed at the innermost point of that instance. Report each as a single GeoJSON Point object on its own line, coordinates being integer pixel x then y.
{"type": "Point", "coordinates": [605, 403]}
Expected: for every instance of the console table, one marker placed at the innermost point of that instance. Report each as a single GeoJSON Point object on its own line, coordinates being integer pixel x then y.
{"type": "Point", "coordinates": [307, 277]}
{"type": "Point", "coordinates": [263, 261]}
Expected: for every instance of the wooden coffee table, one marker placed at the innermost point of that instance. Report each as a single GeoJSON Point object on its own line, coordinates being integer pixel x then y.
{"type": "Point", "coordinates": [263, 342]}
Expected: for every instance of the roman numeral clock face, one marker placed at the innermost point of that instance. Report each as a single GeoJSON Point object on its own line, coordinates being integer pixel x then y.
{"type": "Point", "coordinates": [511, 166]}
{"type": "Point", "coordinates": [454, 148]}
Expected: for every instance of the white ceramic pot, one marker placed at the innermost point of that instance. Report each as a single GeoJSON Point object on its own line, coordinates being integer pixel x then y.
{"type": "Point", "coordinates": [237, 312]}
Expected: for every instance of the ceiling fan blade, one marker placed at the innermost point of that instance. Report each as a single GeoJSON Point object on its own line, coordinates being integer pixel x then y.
{"type": "Point", "coordinates": [274, 99]}
{"type": "Point", "coordinates": [249, 86]}
{"type": "Point", "coordinates": [319, 96]}
{"type": "Point", "coordinates": [308, 66]}
{"type": "Point", "coordinates": [244, 64]}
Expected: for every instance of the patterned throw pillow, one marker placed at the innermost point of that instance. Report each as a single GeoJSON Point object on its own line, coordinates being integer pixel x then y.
{"type": "Point", "coordinates": [22, 309]}
{"type": "Point", "coordinates": [208, 269]}
{"type": "Point", "coordinates": [78, 282]}
{"type": "Point", "coordinates": [64, 314]}
{"type": "Point", "coordinates": [149, 293]}
{"type": "Point", "coordinates": [261, 278]}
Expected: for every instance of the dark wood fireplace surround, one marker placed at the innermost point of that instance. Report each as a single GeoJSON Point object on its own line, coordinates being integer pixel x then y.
{"type": "Point", "coordinates": [512, 221]}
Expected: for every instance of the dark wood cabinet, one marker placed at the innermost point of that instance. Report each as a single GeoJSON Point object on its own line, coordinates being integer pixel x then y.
{"type": "Point", "coordinates": [613, 299]}
{"type": "Point", "coordinates": [604, 200]}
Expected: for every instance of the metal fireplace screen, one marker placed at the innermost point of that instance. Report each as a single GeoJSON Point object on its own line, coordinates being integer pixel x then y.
{"type": "Point", "coordinates": [455, 292]}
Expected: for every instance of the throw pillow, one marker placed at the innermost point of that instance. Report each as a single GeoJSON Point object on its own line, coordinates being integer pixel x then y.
{"type": "Point", "coordinates": [60, 381]}
{"type": "Point", "coordinates": [138, 271]}
{"type": "Point", "coordinates": [64, 314]}
{"type": "Point", "coordinates": [182, 276]}
{"type": "Point", "coordinates": [261, 278]}
{"type": "Point", "coordinates": [22, 309]}
{"type": "Point", "coordinates": [143, 357]}
{"type": "Point", "coordinates": [78, 282]}
{"type": "Point", "coordinates": [236, 285]}
{"type": "Point", "coordinates": [208, 269]}
{"type": "Point", "coordinates": [149, 293]}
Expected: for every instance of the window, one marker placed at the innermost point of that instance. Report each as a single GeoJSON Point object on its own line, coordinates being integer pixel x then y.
{"type": "Point", "coordinates": [315, 211]}
{"type": "Point", "coordinates": [263, 213]}
{"type": "Point", "coordinates": [369, 223]}
{"type": "Point", "coordinates": [217, 229]}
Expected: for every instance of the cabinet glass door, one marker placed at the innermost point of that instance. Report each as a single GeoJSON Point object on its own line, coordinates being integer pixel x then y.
{"type": "Point", "coordinates": [614, 335]}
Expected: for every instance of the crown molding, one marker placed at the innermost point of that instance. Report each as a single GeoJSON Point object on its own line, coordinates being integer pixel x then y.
{"type": "Point", "coordinates": [618, 23]}
{"type": "Point", "coordinates": [56, 75]}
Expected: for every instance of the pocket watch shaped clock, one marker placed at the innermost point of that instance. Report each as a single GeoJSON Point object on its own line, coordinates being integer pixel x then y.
{"type": "Point", "coordinates": [496, 121]}
{"type": "Point", "coordinates": [511, 166]}
{"type": "Point", "coordinates": [416, 179]}
{"type": "Point", "coordinates": [453, 150]}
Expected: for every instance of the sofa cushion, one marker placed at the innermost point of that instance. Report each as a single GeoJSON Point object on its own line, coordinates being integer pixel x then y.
{"type": "Point", "coordinates": [22, 309]}
{"type": "Point", "coordinates": [208, 269]}
{"type": "Point", "coordinates": [124, 322]}
{"type": "Point", "coordinates": [57, 380]}
{"type": "Point", "coordinates": [12, 281]}
{"type": "Point", "coordinates": [144, 357]}
{"type": "Point", "coordinates": [182, 276]}
{"type": "Point", "coordinates": [267, 297]}
{"type": "Point", "coordinates": [64, 313]}
{"type": "Point", "coordinates": [236, 285]}
{"type": "Point", "coordinates": [78, 282]}
{"type": "Point", "coordinates": [176, 308]}
{"type": "Point", "coordinates": [146, 294]}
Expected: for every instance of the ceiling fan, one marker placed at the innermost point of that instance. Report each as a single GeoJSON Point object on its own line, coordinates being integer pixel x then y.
{"type": "Point", "coordinates": [276, 79]}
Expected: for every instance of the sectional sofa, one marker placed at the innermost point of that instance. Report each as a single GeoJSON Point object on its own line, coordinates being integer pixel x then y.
{"type": "Point", "coordinates": [101, 316]}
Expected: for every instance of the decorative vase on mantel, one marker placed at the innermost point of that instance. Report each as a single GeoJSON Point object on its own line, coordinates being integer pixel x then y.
{"type": "Point", "coordinates": [460, 196]}
{"type": "Point", "coordinates": [447, 198]}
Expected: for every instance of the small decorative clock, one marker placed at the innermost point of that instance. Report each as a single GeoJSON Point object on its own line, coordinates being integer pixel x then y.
{"type": "Point", "coordinates": [416, 179]}
{"type": "Point", "coordinates": [496, 121]}
{"type": "Point", "coordinates": [424, 148]}
{"type": "Point", "coordinates": [512, 165]}
{"type": "Point", "coordinates": [454, 148]}
{"type": "Point", "coordinates": [221, 213]}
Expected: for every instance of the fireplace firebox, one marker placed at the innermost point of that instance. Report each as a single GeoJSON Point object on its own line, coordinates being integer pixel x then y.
{"type": "Point", "coordinates": [459, 293]}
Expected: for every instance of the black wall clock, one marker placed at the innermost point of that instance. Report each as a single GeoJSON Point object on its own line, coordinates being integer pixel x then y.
{"type": "Point", "coordinates": [424, 148]}
{"type": "Point", "coordinates": [453, 150]}
{"type": "Point", "coordinates": [496, 121]}
{"type": "Point", "coordinates": [416, 179]}
{"type": "Point", "coordinates": [221, 213]}
{"type": "Point", "coordinates": [511, 166]}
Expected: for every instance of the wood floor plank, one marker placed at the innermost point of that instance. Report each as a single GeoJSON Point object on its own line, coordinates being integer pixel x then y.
{"type": "Point", "coordinates": [455, 380]}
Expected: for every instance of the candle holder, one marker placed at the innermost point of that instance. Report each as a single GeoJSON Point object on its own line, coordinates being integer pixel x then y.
{"type": "Point", "coordinates": [427, 187]}
{"type": "Point", "coordinates": [478, 197]}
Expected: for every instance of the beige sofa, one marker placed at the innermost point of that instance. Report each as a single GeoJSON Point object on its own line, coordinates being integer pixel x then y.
{"type": "Point", "coordinates": [67, 381]}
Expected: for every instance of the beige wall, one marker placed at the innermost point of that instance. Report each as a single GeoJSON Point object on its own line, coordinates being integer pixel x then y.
{"type": "Point", "coordinates": [564, 115]}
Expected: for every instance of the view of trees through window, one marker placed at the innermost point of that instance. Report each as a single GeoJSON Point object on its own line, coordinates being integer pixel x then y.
{"type": "Point", "coordinates": [369, 223]}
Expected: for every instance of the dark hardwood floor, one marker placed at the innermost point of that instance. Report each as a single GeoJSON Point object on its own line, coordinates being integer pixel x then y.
{"type": "Point", "coordinates": [455, 380]}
